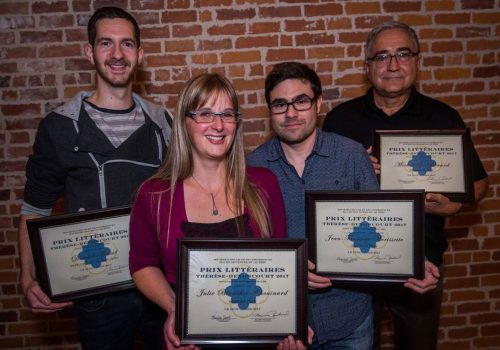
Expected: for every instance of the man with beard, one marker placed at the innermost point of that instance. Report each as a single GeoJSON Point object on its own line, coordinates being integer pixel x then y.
{"type": "Point", "coordinates": [306, 158]}
{"type": "Point", "coordinates": [96, 150]}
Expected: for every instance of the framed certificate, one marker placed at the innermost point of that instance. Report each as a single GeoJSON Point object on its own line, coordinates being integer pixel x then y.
{"type": "Point", "coordinates": [433, 160]}
{"type": "Point", "coordinates": [366, 236]}
{"type": "Point", "coordinates": [81, 255]}
{"type": "Point", "coordinates": [241, 291]}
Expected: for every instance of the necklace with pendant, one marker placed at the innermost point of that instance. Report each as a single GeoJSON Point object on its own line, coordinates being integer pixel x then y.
{"type": "Point", "coordinates": [215, 211]}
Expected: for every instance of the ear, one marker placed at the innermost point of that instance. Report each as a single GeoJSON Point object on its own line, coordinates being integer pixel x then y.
{"type": "Point", "coordinates": [89, 52]}
{"type": "Point", "coordinates": [367, 67]}
{"type": "Point", "coordinates": [140, 55]}
{"type": "Point", "coordinates": [319, 101]}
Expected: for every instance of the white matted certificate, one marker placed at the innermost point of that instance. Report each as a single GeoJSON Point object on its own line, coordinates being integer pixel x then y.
{"type": "Point", "coordinates": [366, 236]}
{"type": "Point", "coordinates": [83, 254]}
{"type": "Point", "coordinates": [432, 160]}
{"type": "Point", "coordinates": [240, 291]}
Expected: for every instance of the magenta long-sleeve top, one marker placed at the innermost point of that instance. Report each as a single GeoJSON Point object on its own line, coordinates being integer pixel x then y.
{"type": "Point", "coordinates": [150, 242]}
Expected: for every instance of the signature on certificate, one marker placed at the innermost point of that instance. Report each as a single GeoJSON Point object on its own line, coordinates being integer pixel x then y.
{"type": "Point", "coordinates": [269, 315]}
{"type": "Point", "coordinates": [221, 318]}
{"type": "Point", "coordinates": [347, 260]}
{"type": "Point", "coordinates": [387, 258]}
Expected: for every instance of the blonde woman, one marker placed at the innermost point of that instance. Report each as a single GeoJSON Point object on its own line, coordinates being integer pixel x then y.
{"type": "Point", "coordinates": [203, 189]}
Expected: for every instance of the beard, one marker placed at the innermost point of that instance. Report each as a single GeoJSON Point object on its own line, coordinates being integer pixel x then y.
{"type": "Point", "coordinates": [294, 137]}
{"type": "Point", "coordinates": [115, 81]}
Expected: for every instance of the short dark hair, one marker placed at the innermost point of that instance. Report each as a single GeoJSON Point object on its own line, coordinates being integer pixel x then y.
{"type": "Point", "coordinates": [386, 26]}
{"type": "Point", "coordinates": [110, 12]}
{"type": "Point", "coordinates": [291, 70]}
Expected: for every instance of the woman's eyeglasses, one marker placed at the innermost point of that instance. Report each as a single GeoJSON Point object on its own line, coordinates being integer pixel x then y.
{"type": "Point", "coordinates": [207, 116]}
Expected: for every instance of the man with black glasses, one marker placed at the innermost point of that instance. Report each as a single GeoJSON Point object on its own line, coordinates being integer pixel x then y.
{"type": "Point", "coordinates": [305, 158]}
{"type": "Point", "coordinates": [392, 55]}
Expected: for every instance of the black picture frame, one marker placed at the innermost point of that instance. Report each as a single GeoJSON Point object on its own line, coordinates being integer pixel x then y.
{"type": "Point", "coordinates": [83, 254]}
{"type": "Point", "coordinates": [433, 160]}
{"type": "Point", "coordinates": [220, 319]}
{"type": "Point", "coordinates": [370, 237]}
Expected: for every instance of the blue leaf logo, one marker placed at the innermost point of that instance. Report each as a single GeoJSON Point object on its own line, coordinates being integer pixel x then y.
{"type": "Point", "coordinates": [364, 237]}
{"type": "Point", "coordinates": [243, 291]}
{"type": "Point", "coordinates": [422, 163]}
{"type": "Point", "coordinates": [94, 253]}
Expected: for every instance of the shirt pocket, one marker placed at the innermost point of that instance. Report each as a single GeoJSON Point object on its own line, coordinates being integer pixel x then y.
{"type": "Point", "coordinates": [339, 183]}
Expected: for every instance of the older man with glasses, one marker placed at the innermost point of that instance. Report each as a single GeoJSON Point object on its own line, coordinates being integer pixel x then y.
{"type": "Point", "coordinates": [392, 57]}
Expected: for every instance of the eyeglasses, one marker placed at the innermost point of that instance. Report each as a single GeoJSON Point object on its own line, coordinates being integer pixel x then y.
{"type": "Point", "coordinates": [204, 117]}
{"type": "Point", "coordinates": [401, 57]}
{"type": "Point", "coordinates": [300, 104]}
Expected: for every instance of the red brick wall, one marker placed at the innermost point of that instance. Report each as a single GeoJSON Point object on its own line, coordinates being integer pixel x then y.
{"type": "Point", "coordinates": [42, 65]}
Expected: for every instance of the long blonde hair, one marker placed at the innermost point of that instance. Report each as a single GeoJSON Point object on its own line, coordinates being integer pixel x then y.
{"type": "Point", "coordinates": [178, 164]}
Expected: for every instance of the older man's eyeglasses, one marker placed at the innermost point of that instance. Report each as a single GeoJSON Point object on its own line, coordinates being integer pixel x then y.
{"type": "Point", "coordinates": [302, 103]}
{"type": "Point", "coordinates": [403, 56]}
{"type": "Point", "coordinates": [208, 116]}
